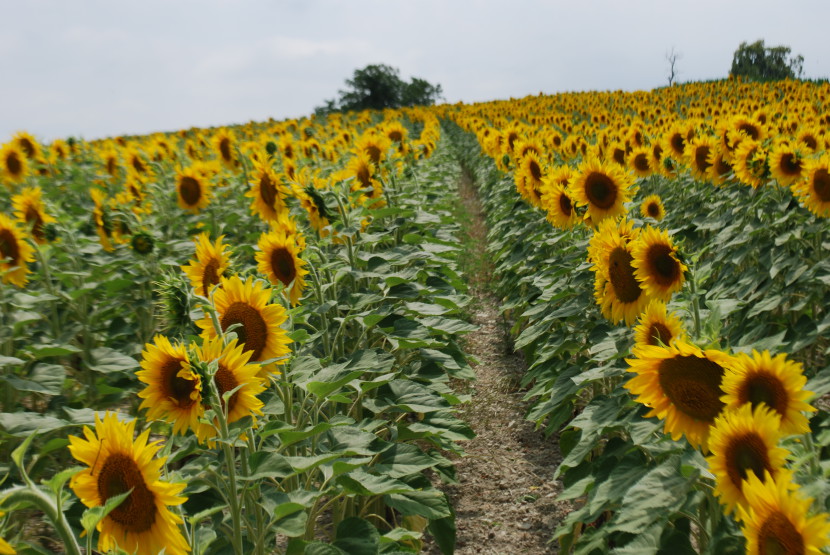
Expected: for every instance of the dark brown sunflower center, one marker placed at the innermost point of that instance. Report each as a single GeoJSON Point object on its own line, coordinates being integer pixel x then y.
{"type": "Point", "coordinates": [790, 165]}
{"type": "Point", "coordinates": [810, 141]}
{"type": "Point", "coordinates": [744, 454]}
{"type": "Point", "coordinates": [395, 135]}
{"type": "Point", "coordinates": [253, 333]}
{"type": "Point", "coordinates": [565, 204]}
{"type": "Point", "coordinates": [778, 536]}
{"type": "Point", "coordinates": [364, 178]}
{"type": "Point", "coordinates": [374, 153]}
{"type": "Point", "coordinates": [657, 151]}
{"type": "Point", "coordinates": [763, 387]}
{"type": "Point", "coordinates": [225, 381]}
{"type": "Point", "coordinates": [34, 219]}
{"type": "Point", "coordinates": [210, 276]}
{"type": "Point", "coordinates": [138, 164]}
{"type": "Point", "coordinates": [659, 333]}
{"type": "Point", "coordinates": [678, 143]}
{"type": "Point", "coordinates": [190, 189]}
{"type": "Point", "coordinates": [535, 170]}
{"type": "Point", "coordinates": [626, 287]}
{"type": "Point", "coordinates": [693, 385]}
{"type": "Point", "coordinates": [653, 209]}
{"type": "Point", "coordinates": [9, 247]}
{"type": "Point", "coordinates": [750, 130]}
{"type": "Point", "coordinates": [821, 184]}
{"type": "Point", "coordinates": [119, 474]}
{"type": "Point", "coordinates": [225, 149]}
{"type": "Point", "coordinates": [282, 264]}
{"type": "Point", "coordinates": [641, 162]}
{"type": "Point", "coordinates": [111, 165]}
{"type": "Point", "coordinates": [665, 269]}
{"type": "Point", "coordinates": [619, 156]}
{"type": "Point", "coordinates": [178, 389]}
{"type": "Point", "coordinates": [267, 190]}
{"type": "Point", "coordinates": [601, 190]}
{"type": "Point", "coordinates": [701, 158]}
{"type": "Point", "coordinates": [28, 147]}
{"type": "Point", "coordinates": [722, 167]}
{"type": "Point", "coordinates": [13, 164]}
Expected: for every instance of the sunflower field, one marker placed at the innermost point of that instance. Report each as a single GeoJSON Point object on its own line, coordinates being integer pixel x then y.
{"type": "Point", "coordinates": [250, 339]}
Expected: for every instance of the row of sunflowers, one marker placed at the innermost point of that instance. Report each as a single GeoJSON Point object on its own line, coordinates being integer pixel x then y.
{"type": "Point", "coordinates": [243, 338]}
{"type": "Point", "coordinates": [666, 269]}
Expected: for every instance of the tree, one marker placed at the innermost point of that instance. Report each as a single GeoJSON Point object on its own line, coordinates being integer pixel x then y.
{"type": "Point", "coordinates": [761, 63]}
{"type": "Point", "coordinates": [672, 58]}
{"type": "Point", "coordinates": [379, 86]}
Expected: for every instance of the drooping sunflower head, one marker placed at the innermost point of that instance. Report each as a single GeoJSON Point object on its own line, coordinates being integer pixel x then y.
{"type": "Point", "coordinates": [814, 190]}
{"type": "Point", "coordinates": [698, 152]}
{"type": "Point", "coordinates": [556, 200]}
{"type": "Point", "coordinates": [616, 289]}
{"type": "Point", "coordinates": [233, 373]}
{"type": "Point", "coordinates": [776, 382]}
{"type": "Point", "coordinates": [744, 441]}
{"type": "Point", "coordinates": [193, 190]}
{"type": "Point", "coordinates": [777, 521]}
{"type": "Point", "coordinates": [211, 262]}
{"type": "Point", "coordinates": [682, 386]}
{"type": "Point", "coordinates": [247, 304]}
{"type": "Point", "coordinates": [364, 171]}
{"type": "Point", "coordinates": [787, 163]}
{"type": "Point", "coordinates": [652, 207]}
{"type": "Point", "coordinates": [268, 191]}
{"type": "Point", "coordinates": [15, 253]}
{"type": "Point", "coordinates": [719, 166]}
{"type": "Point", "coordinates": [29, 208]}
{"type": "Point", "coordinates": [657, 265]}
{"type": "Point", "coordinates": [530, 173]}
{"type": "Point", "coordinates": [28, 144]}
{"type": "Point", "coordinates": [657, 327]}
{"type": "Point", "coordinates": [750, 163]}
{"type": "Point", "coordinates": [601, 187]}
{"type": "Point", "coordinates": [14, 166]}
{"type": "Point", "coordinates": [279, 260]}
{"type": "Point", "coordinates": [143, 523]}
{"type": "Point", "coordinates": [174, 391]}
{"type": "Point", "coordinates": [224, 144]}
{"type": "Point", "coordinates": [375, 146]}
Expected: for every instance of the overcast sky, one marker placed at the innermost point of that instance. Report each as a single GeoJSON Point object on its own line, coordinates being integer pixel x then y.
{"type": "Point", "coordinates": [103, 68]}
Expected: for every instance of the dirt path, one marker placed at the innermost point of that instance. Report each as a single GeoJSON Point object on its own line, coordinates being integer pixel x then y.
{"type": "Point", "coordinates": [506, 500]}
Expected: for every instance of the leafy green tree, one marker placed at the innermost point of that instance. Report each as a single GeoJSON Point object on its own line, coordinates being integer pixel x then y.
{"type": "Point", "coordinates": [762, 63]}
{"type": "Point", "coordinates": [379, 86]}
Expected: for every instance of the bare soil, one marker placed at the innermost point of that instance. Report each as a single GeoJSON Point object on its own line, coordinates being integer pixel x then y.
{"type": "Point", "coordinates": [506, 502]}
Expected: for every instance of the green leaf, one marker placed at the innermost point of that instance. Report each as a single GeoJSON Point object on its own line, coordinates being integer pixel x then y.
{"type": "Point", "coordinates": [362, 483]}
{"type": "Point", "coordinates": [425, 309]}
{"type": "Point", "coordinates": [431, 504]}
{"type": "Point", "coordinates": [402, 460]}
{"type": "Point", "coordinates": [10, 361]}
{"type": "Point", "coordinates": [20, 452]}
{"type": "Point", "coordinates": [21, 424]}
{"type": "Point", "coordinates": [289, 519]}
{"type": "Point", "coordinates": [357, 537]}
{"type": "Point", "coordinates": [106, 360]}
{"type": "Point", "coordinates": [45, 351]}
{"type": "Point", "coordinates": [57, 481]}
{"type": "Point", "coordinates": [94, 515]}
{"type": "Point", "coordinates": [44, 378]}
{"type": "Point", "coordinates": [264, 464]}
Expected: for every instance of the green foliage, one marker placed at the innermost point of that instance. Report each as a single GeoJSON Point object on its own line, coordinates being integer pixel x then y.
{"type": "Point", "coordinates": [757, 62]}
{"type": "Point", "coordinates": [379, 86]}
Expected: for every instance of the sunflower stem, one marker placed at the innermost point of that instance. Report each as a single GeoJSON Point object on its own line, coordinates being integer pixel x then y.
{"type": "Point", "coordinates": [38, 498]}
{"type": "Point", "coordinates": [695, 305]}
{"type": "Point", "coordinates": [50, 287]}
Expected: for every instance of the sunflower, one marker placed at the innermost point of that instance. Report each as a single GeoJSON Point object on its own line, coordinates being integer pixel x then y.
{"type": "Point", "coordinates": [652, 207]}
{"type": "Point", "coordinates": [135, 162]}
{"type": "Point", "coordinates": [174, 390]}
{"type": "Point", "coordinates": [109, 157]}
{"type": "Point", "coordinates": [28, 144]}
{"type": "Point", "coordinates": [682, 386]}
{"type": "Point", "coordinates": [58, 150]}
{"type": "Point", "coordinates": [268, 191]}
{"type": "Point", "coordinates": [561, 211]}
{"type": "Point", "coordinates": [772, 381]}
{"type": "Point", "coordinates": [233, 372]}
{"type": "Point", "coordinates": [657, 327]}
{"type": "Point", "coordinates": [656, 264]}
{"type": "Point", "coordinates": [192, 190]}
{"type": "Point", "coordinates": [14, 167]}
{"type": "Point", "coordinates": [776, 520]}
{"type": "Point", "coordinates": [363, 170]}
{"type": "Point", "coordinates": [719, 166]}
{"type": "Point", "coordinates": [29, 208]}
{"type": "Point", "coordinates": [102, 219]}
{"type": "Point", "coordinates": [5, 547]}
{"type": "Point", "coordinates": [374, 146]}
{"type": "Point", "coordinates": [397, 133]}
{"type": "Point", "coordinates": [211, 262]}
{"type": "Point", "coordinates": [616, 289]}
{"type": "Point", "coordinates": [15, 253]}
{"type": "Point", "coordinates": [809, 137]}
{"type": "Point", "coordinates": [223, 143]}
{"type": "Point", "coordinates": [639, 160]}
{"type": "Point", "coordinates": [787, 163]}
{"type": "Point", "coordinates": [697, 153]}
{"type": "Point", "coordinates": [603, 188]}
{"type": "Point", "coordinates": [529, 177]}
{"type": "Point", "coordinates": [143, 523]}
{"type": "Point", "coordinates": [279, 260]}
{"type": "Point", "coordinates": [247, 303]}
{"type": "Point", "coordinates": [743, 441]}
{"type": "Point", "coordinates": [814, 190]}
{"type": "Point", "coordinates": [750, 163]}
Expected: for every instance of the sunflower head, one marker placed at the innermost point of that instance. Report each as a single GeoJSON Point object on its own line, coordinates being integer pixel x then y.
{"type": "Point", "coordinates": [211, 263]}
{"type": "Point", "coordinates": [601, 187]}
{"type": "Point", "coordinates": [279, 260]}
{"type": "Point", "coordinates": [15, 253]}
{"type": "Point", "coordinates": [14, 166]}
{"type": "Point", "coordinates": [652, 207]}
{"type": "Point", "coordinates": [657, 264]}
{"type": "Point", "coordinates": [657, 327]}
{"type": "Point", "coordinates": [117, 463]}
{"type": "Point", "coordinates": [814, 190]}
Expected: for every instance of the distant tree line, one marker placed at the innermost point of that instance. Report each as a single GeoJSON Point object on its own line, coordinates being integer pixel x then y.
{"type": "Point", "coordinates": [757, 62]}
{"type": "Point", "coordinates": [379, 86]}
